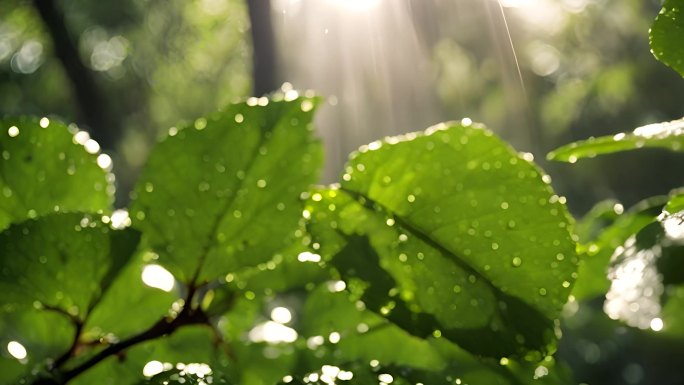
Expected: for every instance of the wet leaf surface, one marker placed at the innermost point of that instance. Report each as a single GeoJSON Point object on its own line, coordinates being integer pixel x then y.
{"type": "Point", "coordinates": [667, 33]}
{"type": "Point", "coordinates": [451, 232]}
{"type": "Point", "coordinates": [668, 135]}
{"type": "Point", "coordinates": [223, 193]}
{"type": "Point", "coordinates": [44, 168]}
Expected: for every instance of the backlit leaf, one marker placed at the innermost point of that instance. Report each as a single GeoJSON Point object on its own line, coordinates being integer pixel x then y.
{"type": "Point", "coordinates": [646, 272]}
{"type": "Point", "coordinates": [669, 135]}
{"type": "Point", "coordinates": [223, 194]}
{"type": "Point", "coordinates": [451, 232]}
{"type": "Point", "coordinates": [595, 252]}
{"type": "Point", "coordinates": [61, 261]}
{"type": "Point", "coordinates": [667, 33]}
{"type": "Point", "coordinates": [47, 167]}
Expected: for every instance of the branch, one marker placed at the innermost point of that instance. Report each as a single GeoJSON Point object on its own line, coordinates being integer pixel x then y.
{"type": "Point", "coordinates": [163, 327]}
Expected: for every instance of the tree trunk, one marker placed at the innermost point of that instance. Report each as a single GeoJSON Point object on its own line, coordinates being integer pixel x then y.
{"type": "Point", "coordinates": [264, 57]}
{"type": "Point", "coordinates": [94, 111]}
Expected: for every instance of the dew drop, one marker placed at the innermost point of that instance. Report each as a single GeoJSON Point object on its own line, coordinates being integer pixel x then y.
{"type": "Point", "coordinates": [516, 262]}
{"type": "Point", "coordinates": [261, 183]}
{"type": "Point", "coordinates": [13, 131]}
{"type": "Point", "coordinates": [307, 105]}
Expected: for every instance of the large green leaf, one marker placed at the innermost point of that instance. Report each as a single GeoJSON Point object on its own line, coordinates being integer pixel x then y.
{"type": "Point", "coordinates": [669, 135]}
{"type": "Point", "coordinates": [451, 232]}
{"type": "Point", "coordinates": [45, 168]}
{"type": "Point", "coordinates": [667, 33]}
{"type": "Point", "coordinates": [223, 193]}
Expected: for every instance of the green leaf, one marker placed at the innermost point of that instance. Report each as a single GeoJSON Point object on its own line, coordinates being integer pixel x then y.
{"type": "Point", "coordinates": [451, 233]}
{"type": "Point", "coordinates": [44, 169]}
{"type": "Point", "coordinates": [223, 194]}
{"type": "Point", "coordinates": [602, 215]}
{"type": "Point", "coordinates": [669, 135]}
{"type": "Point", "coordinates": [646, 272]}
{"type": "Point", "coordinates": [595, 252]}
{"type": "Point", "coordinates": [666, 35]}
{"type": "Point", "coordinates": [676, 202]}
{"type": "Point", "coordinates": [62, 261]}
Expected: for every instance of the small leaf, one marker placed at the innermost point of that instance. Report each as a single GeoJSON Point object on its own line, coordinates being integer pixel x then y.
{"type": "Point", "coordinates": [452, 232]}
{"type": "Point", "coordinates": [669, 135]}
{"type": "Point", "coordinates": [45, 167]}
{"type": "Point", "coordinates": [223, 194]}
{"type": "Point", "coordinates": [676, 202]}
{"type": "Point", "coordinates": [595, 253]}
{"type": "Point", "coordinates": [667, 33]}
{"type": "Point", "coordinates": [347, 333]}
{"type": "Point", "coordinates": [646, 271]}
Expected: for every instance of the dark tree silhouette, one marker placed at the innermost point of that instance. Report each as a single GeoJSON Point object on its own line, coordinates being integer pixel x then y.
{"type": "Point", "coordinates": [92, 102]}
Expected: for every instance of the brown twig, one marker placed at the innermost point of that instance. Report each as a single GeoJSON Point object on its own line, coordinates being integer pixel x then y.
{"type": "Point", "coordinates": [189, 315]}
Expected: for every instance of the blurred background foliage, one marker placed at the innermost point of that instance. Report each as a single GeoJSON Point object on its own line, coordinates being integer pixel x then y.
{"type": "Point", "coordinates": [539, 72]}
